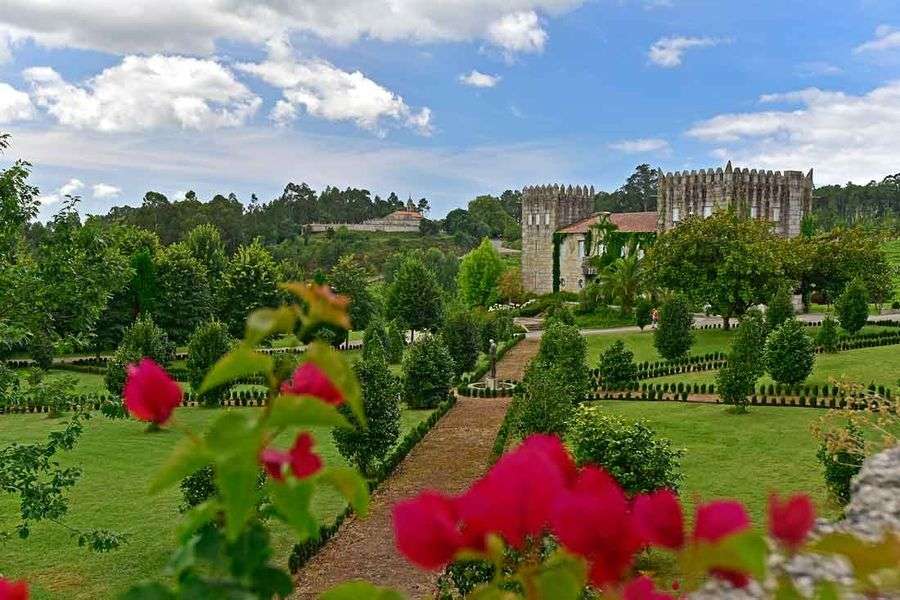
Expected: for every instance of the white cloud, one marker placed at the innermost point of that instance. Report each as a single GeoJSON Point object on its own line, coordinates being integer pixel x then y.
{"type": "Point", "coordinates": [328, 92]}
{"type": "Point", "coordinates": [478, 79]}
{"type": "Point", "coordinates": [67, 189]}
{"type": "Point", "coordinates": [812, 68]}
{"type": "Point", "coordinates": [147, 92]}
{"type": "Point", "coordinates": [844, 136]}
{"type": "Point", "coordinates": [14, 105]}
{"type": "Point", "coordinates": [176, 26]}
{"type": "Point", "coordinates": [103, 191]}
{"type": "Point", "coordinates": [640, 145]}
{"type": "Point", "coordinates": [518, 32]}
{"type": "Point", "coordinates": [886, 38]}
{"type": "Point", "coordinates": [668, 52]}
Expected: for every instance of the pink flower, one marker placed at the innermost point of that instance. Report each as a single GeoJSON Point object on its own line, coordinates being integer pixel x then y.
{"type": "Point", "coordinates": [150, 394]}
{"type": "Point", "coordinates": [716, 521]}
{"type": "Point", "coordinates": [659, 519]}
{"type": "Point", "coordinates": [592, 519]}
{"type": "Point", "coordinates": [13, 590]}
{"type": "Point", "coordinates": [309, 380]}
{"type": "Point", "coordinates": [426, 530]}
{"type": "Point", "coordinates": [642, 588]}
{"type": "Point", "coordinates": [301, 459]}
{"type": "Point", "coordinates": [791, 521]}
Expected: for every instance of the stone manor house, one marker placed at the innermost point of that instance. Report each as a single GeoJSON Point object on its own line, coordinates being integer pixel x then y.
{"type": "Point", "coordinates": [562, 235]}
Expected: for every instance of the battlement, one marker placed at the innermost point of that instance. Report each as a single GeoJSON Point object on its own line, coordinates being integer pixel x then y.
{"type": "Point", "coordinates": [733, 174]}
{"type": "Point", "coordinates": [556, 191]}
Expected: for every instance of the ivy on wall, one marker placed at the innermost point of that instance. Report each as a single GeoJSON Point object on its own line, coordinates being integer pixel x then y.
{"type": "Point", "coordinates": [558, 238]}
{"type": "Point", "coordinates": [614, 240]}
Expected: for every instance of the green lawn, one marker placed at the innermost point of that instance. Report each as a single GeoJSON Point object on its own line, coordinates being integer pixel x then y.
{"type": "Point", "coordinates": [880, 366]}
{"type": "Point", "coordinates": [118, 459]}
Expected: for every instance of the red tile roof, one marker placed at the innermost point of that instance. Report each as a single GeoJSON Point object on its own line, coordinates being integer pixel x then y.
{"type": "Point", "coordinates": [628, 222]}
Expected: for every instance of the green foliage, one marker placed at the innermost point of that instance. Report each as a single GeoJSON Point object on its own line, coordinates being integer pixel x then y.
{"type": "Point", "coordinates": [642, 313]}
{"type": "Point", "coordinates": [494, 325]}
{"type": "Point", "coordinates": [558, 311]}
{"type": "Point", "coordinates": [465, 229]}
{"type": "Point", "coordinates": [387, 336]}
{"type": "Point", "coordinates": [852, 306]}
{"type": "Point", "coordinates": [545, 401]}
{"type": "Point", "coordinates": [349, 278]}
{"type": "Point", "coordinates": [184, 298]}
{"type": "Point", "coordinates": [790, 353]}
{"type": "Point", "coordinates": [510, 286]}
{"type": "Point", "coordinates": [40, 349]}
{"type": "Point", "coordinates": [780, 308]}
{"type": "Point", "coordinates": [204, 242]}
{"type": "Point", "coordinates": [197, 488]}
{"type": "Point", "coordinates": [209, 342]}
{"type": "Point", "coordinates": [462, 336]}
{"type": "Point", "coordinates": [415, 297]}
{"type": "Point", "coordinates": [673, 337]}
{"type": "Point", "coordinates": [617, 366]}
{"type": "Point", "coordinates": [250, 282]}
{"type": "Point", "coordinates": [367, 447]}
{"type": "Point", "coordinates": [142, 339]}
{"type": "Point", "coordinates": [489, 210]}
{"type": "Point", "coordinates": [427, 372]}
{"type": "Point", "coordinates": [748, 345]}
{"type": "Point", "coordinates": [735, 383]}
{"type": "Point", "coordinates": [827, 337]}
{"type": "Point", "coordinates": [630, 451]}
{"type": "Point", "coordinates": [563, 346]}
{"type": "Point", "coordinates": [621, 280]}
{"type": "Point", "coordinates": [840, 467]}
{"type": "Point", "coordinates": [479, 275]}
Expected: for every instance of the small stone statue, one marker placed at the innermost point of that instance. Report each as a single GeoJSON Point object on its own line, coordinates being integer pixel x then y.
{"type": "Point", "coordinates": [493, 354]}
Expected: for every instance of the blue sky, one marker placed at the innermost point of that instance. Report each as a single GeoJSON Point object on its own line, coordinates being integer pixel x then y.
{"type": "Point", "coordinates": [445, 100]}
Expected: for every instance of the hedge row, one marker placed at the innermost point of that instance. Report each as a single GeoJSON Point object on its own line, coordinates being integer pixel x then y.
{"type": "Point", "coordinates": [772, 389]}
{"type": "Point", "coordinates": [482, 370]}
{"type": "Point", "coordinates": [754, 400]}
{"type": "Point", "coordinates": [306, 550]}
{"type": "Point", "coordinates": [503, 433]}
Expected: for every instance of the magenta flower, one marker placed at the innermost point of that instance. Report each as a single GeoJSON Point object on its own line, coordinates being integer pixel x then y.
{"type": "Point", "coordinates": [149, 393]}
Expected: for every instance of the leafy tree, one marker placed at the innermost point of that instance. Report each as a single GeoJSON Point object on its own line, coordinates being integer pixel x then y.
{"type": "Point", "coordinates": [790, 353]}
{"type": "Point", "coordinates": [617, 366]}
{"type": "Point", "coordinates": [510, 286]}
{"type": "Point", "coordinates": [746, 361]}
{"type": "Point", "coordinates": [415, 297]}
{"type": "Point", "coordinates": [622, 281]}
{"type": "Point", "coordinates": [643, 313]}
{"type": "Point", "coordinates": [479, 275]}
{"type": "Point", "coordinates": [735, 382]}
{"type": "Point", "coordinates": [366, 447]}
{"type": "Point", "coordinates": [558, 311]}
{"type": "Point", "coordinates": [781, 308]}
{"type": "Point", "coordinates": [250, 282]}
{"type": "Point", "coordinates": [184, 298]}
{"type": "Point", "coordinates": [349, 277]}
{"type": "Point", "coordinates": [489, 210]}
{"type": "Point", "coordinates": [427, 371]}
{"type": "Point", "coordinates": [383, 336]}
{"type": "Point", "coordinates": [143, 339]}
{"type": "Point", "coordinates": [204, 242]}
{"type": "Point", "coordinates": [462, 336]}
{"type": "Point", "coordinates": [545, 402]}
{"type": "Point", "coordinates": [638, 193]}
{"type": "Point", "coordinates": [209, 342]}
{"type": "Point", "coordinates": [673, 337]}
{"type": "Point", "coordinates": [465, 229]}
{"type": "Point", "coordinates": [852, 306]}
{"type": "Point", "coordinates": [497, 325]}
{"type": "Point", "coordinates": [40, 349]}
{"type": "Point", "coordinates": [563, 346]}
{"type": "Point", "coordinates": [827, 337]}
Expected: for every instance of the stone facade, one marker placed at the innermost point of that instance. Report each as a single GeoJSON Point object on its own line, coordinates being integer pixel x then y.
{"type": "Point", "coordinates": [545, 209]}
{"type": "Point", "coordinates": [400, 221]}
{"type": "Point", "coordinates": [783, 198]}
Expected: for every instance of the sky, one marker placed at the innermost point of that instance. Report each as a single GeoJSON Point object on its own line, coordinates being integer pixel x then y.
{"type": "Point", "coordinates": [443, 99]}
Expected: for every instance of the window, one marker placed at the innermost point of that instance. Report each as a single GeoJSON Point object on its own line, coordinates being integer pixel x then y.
{"type": "Point", "coordinates": [753, 212]}
{"type": "Point", "coordinates": [581, 253]}
{"type": "Point", "coordinates": [676, 214]}
{"type": "Point", "coordinates": [776, 214]}
{"type": "Point", "coordinates": [707, 211]}
{"type": "Point", "coordinates": [546, 218]}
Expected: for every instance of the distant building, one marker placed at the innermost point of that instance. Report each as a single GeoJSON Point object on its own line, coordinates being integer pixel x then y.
{"type": "Point", "coordinates": [399, 221]}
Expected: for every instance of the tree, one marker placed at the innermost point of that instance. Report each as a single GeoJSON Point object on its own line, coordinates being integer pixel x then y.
{"type": "Point", "coordinates": [852, 306]}
{"type": "Point", "coordinates": [489, 210]}
{"type": "Point", "coordinates": [637, 194]}
{"type": "Point", "coordinates": [735, 382]}
{"type": "Point", "coordinates": [827, 337]}
{"type": "Point", "coordinates": [415, 297]}
{"type": "Point", "coordinates": [617, 366]}
{"type": "Point", "coordinates": [184, 298]}
{"type": "Point", "coordinates": [479, 275]}
{"type": "Point", "coordinates": [427, 371]}
{"type": "Point", "coordinates": [724, 260]}
{"type": "Point", "coordinates": [622, 280]}
{"type": "Point", "coordinates": [510, 286]}
{"type": "Point", "coordinates": [737, 379]}
{"type": "Point", "coordinates": [545, 402]}
{"type": "Point", "coordinates": [563, 346]}
{"type": "Point", "coordinates": [384, 337]}
{"type": "Point", "coordinates": [465, 229]}
{"type": "Point", "coordinates": [349, 278]}
{"type": "Point", "coordinates": [643, 313]}
{"type": "Point", "coordinates": [204, 242]}
{"type": "Point", "coordinates": [209, 342]}
{"type": "Point", "coordinates": [250, 282]}
{"type": "Point", "coordinates": [673, 337]}
{"type": "Point", "coordinates": [790, 353]}
{"type": "Point", "coordinates": [367, 446]}
{"type": "Point", "coordinates": [143, 339]}
{"type": "Point", "coordinates": [780, 308]}
{"type": "Point", "coordinates": [461, 335]}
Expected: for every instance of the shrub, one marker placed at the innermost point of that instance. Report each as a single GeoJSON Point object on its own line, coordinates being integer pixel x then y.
{"type": "Point", "coordinates": [209, 342]}
{"type": "Point", "coordinates": [749, 343]}
{"type": "Point", "coordinates": [827, 337]}
{"type": "Point", "coordinates": [40, 349]}
{"type": "Point", "coordinates": [461, 335]}
{"type": "Point", "coordinates": [367, 447]}
{"type": "Point", "coordinates": [790, 353]}
{"type": "Point", "coordinates": [617, 366]}
{"type": "Point", "coordinates": [673, 338]}
{"type": "Point", "coordinates": [427, 371]}
{"type": "Point", "coordinates": [642, 313]}
{"type": "Point", "coordinates": [197, 488]}
{"type": "Point", "coordinates": [630, 451]}
{"type": "Point", "coordinates": [494, 325]}
{"type": "Point", "coordinates": [546, 400]}
{"type": "Point", "coordinates": [780, 308]}
{"type": "Point", "coordinates": [142, 339]}
{"type": "Point", "coordinates": [852, 306]}
{"type": "Point", "coordinates": [736, 382]}
{"type": "Point", "coordinates": [558, 311]}
{"type": "Point", "coordinates": [840, 467]}
{"type": "Point", "coordinates": [591, 298]}
{"type": "Point", "coordinates": [563, 346]}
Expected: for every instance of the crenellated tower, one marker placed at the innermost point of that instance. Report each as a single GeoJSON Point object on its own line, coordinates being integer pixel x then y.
{"type": "Point", "coordinates": [545, 209]}
{"type": "Point", "coordinates": [782, 198]}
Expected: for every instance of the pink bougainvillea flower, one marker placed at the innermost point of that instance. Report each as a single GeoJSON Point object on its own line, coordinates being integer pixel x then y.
{"type": "Point", "coordinates": [514, 499]}
{"type": "Point", "coordinates": [149, 393]}
{"type": "Point", "coordinates": [642, 588]}
{"type": "Point", "coordinates": [592, 519]}
{"type": "Point", "coordinates": [301, 459]}
{"type": "Point", "coordinates": [791, 521]}
{"type": "Point", "coordinates": [660, 519]}
{"type": "Point", "coordinates": [309, 380]}
{"type": "Point", "coordinates": [426, 530]}
{"type": "Point", "coordinates": [13, 590]}
{"type": "Point", "coordinates": [717, 520]}
{"type": "Point", "coordinates": [553, 449]}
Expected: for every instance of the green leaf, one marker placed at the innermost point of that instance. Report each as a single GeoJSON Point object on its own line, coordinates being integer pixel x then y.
{"type": "Point", "coordinates": [744, 552]}
{"type": "Point", "coordinates": [867, 558]}
{"type": "Point", "coordinates": [189, 456]}
{"type": "Point", "coordinates": [292, 500]}
{"type": "Point", "coordinates": [243, 361]}
{"type": "Point", "coordinates": [562, 577]}
{"type": "Point", "coordinates": [236, 478]}
{"type": "Point", "coordinates": [341, 375]}
{"type": "Point", "coordinates": [270, 582]}
{"type": "Point", "coordinates": [183, 558]}
{"type": "Point", "coordinates": [196, 518]}
{"type": "Point", "coordinates": [360, 590]}
{"type": "Point", "coordinates": [306, 411]}
{"type": "Point", "coordinates": [148, 591]}
{"type": "Point", "coordinates": [827, 590]}
{"type": "Point", "coordinates": [264, 322]}
{"type": "Point", "coordinates": [351, 485]}
{"type": "Point", "coordinates": [786, 590]}
{"type": "Point", "coordinates": [233, 432]}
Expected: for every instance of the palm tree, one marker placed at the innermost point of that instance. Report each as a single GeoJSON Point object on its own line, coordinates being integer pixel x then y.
{"type": "Point", "coordinates": [622, 280]}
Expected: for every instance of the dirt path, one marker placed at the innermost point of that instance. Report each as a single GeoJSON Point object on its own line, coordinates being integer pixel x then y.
{"type": "Point", "coordinates": [513, 363]}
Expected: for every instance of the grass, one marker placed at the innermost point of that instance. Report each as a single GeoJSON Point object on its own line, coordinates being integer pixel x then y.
{"type": "Point", "coordinates": [603, 319]}
{"type": "Point", "coordinates": [866, 365]}
{"type": "Point", "coordinates": [118, 459]}
{"type": "Point", "coordinates": [892, 250]}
